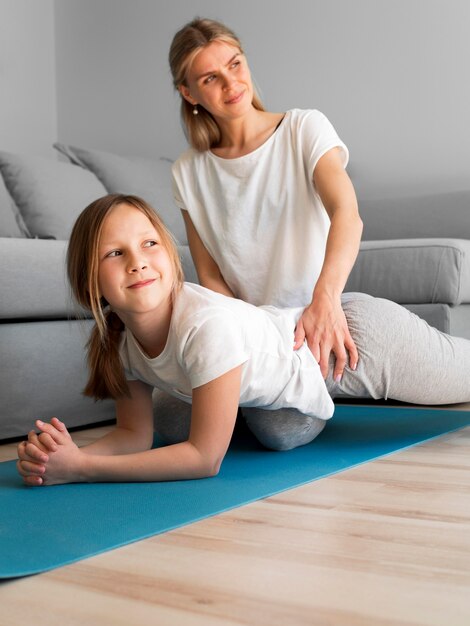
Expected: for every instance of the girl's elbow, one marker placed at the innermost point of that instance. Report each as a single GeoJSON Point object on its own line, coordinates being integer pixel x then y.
{"type": "Point", "coordinates": [211, 467]}
{"type": "Point", "coordinates": [205, 461]}
{"type": "Point", "coordinates": [215, 468]}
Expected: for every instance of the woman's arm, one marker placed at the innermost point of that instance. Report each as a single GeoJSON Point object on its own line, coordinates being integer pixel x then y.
{"type": "Point", "coordinates": [214, 411]}
{"type": "Point", "coordinates": [323, 323]}
{"type": "Point", "coordinates": [208, 271]}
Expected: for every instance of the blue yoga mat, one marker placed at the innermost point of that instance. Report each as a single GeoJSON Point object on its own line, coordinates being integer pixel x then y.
{"type": "Point", "coordinates": [47, 527]}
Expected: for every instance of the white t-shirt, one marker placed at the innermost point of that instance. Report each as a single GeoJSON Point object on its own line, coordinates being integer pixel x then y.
{"type": "Point", "coordinates": [259, 215]}
{"type": "Point", "coordinates": [210, 334]}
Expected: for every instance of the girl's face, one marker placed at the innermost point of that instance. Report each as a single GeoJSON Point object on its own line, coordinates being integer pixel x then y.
{"type": "Point", "coordinates": [220, 81]}
{"type": "Point", "coordinates": [135, 272]}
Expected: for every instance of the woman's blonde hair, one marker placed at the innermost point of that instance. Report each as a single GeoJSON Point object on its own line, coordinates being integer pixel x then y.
{"type": "Point", "coordinates": [106, 374]}
{"type": "Point", "coordinates": [201, 130]}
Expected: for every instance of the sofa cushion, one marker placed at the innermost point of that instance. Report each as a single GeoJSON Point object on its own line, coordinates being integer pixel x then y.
{"type": "Point", "coordinates": [43, 375]}
{"type": "Point", "coordinates": [436, 315]}
{"type": "Point", "coordinates": [38, 289]}
{"type": "Point", "coordinates": [147, 178]}
{"type": "Point", "coordinates": [11, 222]}
{"type": "Point", "coordinates": [187, 262]}
{"type": "Point", "coordinates": [414, 271]}
{"type": "Point", "coordinates": [452, 320]}
{"type": "Point", "coordinates": [49, 194]}
{"type": "Point", "coordinates": [458, 320]}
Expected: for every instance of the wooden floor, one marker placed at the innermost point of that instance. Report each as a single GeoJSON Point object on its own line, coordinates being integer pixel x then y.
{"type": "Point", "coordinates": [386, 543]}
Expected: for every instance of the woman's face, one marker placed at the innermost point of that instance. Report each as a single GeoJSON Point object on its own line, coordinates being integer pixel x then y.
{"type": "Point", "coordinates": [220, 81]}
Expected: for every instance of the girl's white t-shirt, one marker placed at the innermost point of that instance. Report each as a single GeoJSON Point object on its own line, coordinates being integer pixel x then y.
{"type": "Point", "coordinates": [259, 216]}
{"type": "Point", "coordinates": [210, 334]}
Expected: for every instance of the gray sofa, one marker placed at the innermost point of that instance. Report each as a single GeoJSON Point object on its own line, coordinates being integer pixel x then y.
{"type": "Point", "coordinates": [416, 251]}
{"type": "Point", "coordinates": [42, 334]}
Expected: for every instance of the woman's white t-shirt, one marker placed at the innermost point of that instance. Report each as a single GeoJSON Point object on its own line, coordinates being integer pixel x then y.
{"type": "Point", "coordinates": [210, 334]}
{"type": "Point", "coordinates": [259, 216]}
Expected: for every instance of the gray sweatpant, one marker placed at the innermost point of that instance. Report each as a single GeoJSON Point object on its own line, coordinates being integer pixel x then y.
{"type": "Point", "coordinates": [401, 357]}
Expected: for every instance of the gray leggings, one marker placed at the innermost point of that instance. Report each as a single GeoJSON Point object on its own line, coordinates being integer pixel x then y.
{"type": "Point", "coordinates": [401, 357]}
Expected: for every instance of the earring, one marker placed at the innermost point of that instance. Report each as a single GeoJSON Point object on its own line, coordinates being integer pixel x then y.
{"type": "Point", "coordinates": [195, 111]}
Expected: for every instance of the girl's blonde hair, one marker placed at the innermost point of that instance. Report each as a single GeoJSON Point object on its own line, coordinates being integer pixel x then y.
{"type": "Point", "coordinates": [201, 130]}
{"type": "Point", "coordinates": [106, 373]}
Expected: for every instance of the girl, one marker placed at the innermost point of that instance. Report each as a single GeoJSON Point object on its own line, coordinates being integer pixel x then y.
{"type": "Point", "coordinates": [214, 352]}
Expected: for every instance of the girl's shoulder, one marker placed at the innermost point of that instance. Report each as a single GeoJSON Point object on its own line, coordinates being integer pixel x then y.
{"type": "Point", "coordinates": [198, 295]}
{"type": "Point", "coordinates": [195, 305]}
{"type": "Point", "coordinates": [209, 338]}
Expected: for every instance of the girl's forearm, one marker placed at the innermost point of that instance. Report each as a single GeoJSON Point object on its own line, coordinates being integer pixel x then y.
{"type": "Point", "coordinates": [119, 441]}
{"type": "Point", "coordinates": [174, 462]}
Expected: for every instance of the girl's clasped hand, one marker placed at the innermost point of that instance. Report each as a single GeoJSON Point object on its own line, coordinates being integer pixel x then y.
{"type": "Point", "coordinates": [50, 457]}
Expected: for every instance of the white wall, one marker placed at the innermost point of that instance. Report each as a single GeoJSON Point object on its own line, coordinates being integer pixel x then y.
{"type": "Point", "coordinates": [28, 103]}
{"type": "Point", "coordinates": [389, 74]}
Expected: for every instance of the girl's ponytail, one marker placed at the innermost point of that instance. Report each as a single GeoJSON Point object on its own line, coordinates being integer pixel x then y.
{"type": "Point", "coordinates": [106, 373]}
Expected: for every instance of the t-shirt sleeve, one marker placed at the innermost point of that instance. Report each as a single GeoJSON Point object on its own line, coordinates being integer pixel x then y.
{"type": "Point", "coordinates": [213, 348]}
{"type": "Point", "coordinates": [176, 184]}
{"type": "Point", "coordinates": [176, 192]}
{"type": "Point", "coordinates": [318, 136]}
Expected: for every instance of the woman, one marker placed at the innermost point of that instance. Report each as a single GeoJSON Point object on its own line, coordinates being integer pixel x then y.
{"type": "Point", "coordinates": [270, 212]}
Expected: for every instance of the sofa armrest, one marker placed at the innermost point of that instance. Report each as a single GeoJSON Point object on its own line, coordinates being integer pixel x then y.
{"type": "Point", "coordinates": [414, 271]}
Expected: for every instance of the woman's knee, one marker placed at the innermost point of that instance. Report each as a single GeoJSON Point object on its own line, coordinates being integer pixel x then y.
{"type": "Point", "coordinates": [171, 417]}
{"type": "Point", "coordinates": [283, 429]}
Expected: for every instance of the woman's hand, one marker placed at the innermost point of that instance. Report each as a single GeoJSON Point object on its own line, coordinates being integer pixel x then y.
{"type": "Point", "coordinates": [323, 322]}
{"type": "Point", "coordinates": [50, 458]}
{"type": "Point", "coordinates": [324, 326]}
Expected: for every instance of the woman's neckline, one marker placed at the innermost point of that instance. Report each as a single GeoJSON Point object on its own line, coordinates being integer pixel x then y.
{"type": "Point", "coordinates": [271, 138]}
